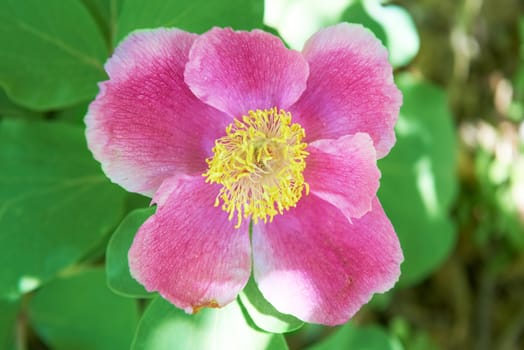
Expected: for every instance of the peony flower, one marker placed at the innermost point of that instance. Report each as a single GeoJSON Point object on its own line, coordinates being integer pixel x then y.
{"type": "Point", "coordinates": [257, 156]}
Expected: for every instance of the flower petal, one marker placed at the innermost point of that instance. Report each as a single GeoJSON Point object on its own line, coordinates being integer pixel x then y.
{"type": "Point", "coordinates": [188, 250]}
{"type": "Point", "coordinates": [350, 87]}
{"type": "Point", "coordinates": [145, 124]}
{"type": "Point", "coordinates": [240, 71]}
{"type": "Point", "coordinates": [344, 173]}
{"type": "Point", "coordinates": [313, 264]}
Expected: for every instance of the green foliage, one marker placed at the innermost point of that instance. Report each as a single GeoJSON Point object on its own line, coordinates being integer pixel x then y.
{"type": "Point", "coordinates": [48, 177]}
{"type": "Point", "coordinates": [105, 13]}
{"type": "Point", "coordinates": [164, 327]}
{"type": "Point", "coordinates": [195, 16]}
{"type": "Point", "coordinates": [80, 312]}
{"type": "Point", "coordinates": [418, 179]}
{"type": "Point", "coordinates": [11, 109]}
{"type": "Point", "coordinates": [500, 181]}
{"type": "Point", "coordinates": [8, 321]}
{"type": "Point", "coordinates": [359, 338]}
{"type": "Point", "coordinates": [412, 338]}
{"type": "Point", "coordinates": [52, 55]}
{"type": "Point", "coordinates": [73, 115]}
{"type": "Point", "coordinates": [118, 277]}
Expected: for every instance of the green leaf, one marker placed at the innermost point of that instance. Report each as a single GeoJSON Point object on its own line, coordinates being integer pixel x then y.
{"type": "Point", "coordinates": [136, 201]}
{"type": "Point", "coordinates": [11, 109]}
{"type": "Point", "coordinates": [359, 338]}
{"type": "Point", "coordinates": [117, 266]}
{"type": "Point", "coordinates": [412, 336]}
{"type": "Point", "coordinates": [164, 327]}
{"type": "Point", "coordinates": [418, 179]}
{"type": "Point", "coordinates": [105, 13]}
{"type": "Point", "coordinates": [263, 314]}
{"type": "Point", "coordinates": [80, 312]}
{"type": "Point", "coordinates": [55, 203]}
{"type": "Point", "coordinates": [8, 318]}
{"type": "Point", "coordinates": [195, 16]}
{"type": "Point", "coordinates": [73, 115]}
{"type": "Point", "coordinates": [52, 53]}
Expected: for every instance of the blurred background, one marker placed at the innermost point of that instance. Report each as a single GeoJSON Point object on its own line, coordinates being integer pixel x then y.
{"type": "Point", "coordinates": [453, 186]}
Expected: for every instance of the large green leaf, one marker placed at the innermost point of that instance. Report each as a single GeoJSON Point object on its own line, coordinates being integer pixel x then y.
{"type": "Point", "coordinates": [359, 338]}
{"type": "Point", "coordinates": [196, 16]}
{"type": "Point", "coordinates": [8, 320]}
{"type": "Point", "coordinates": [418, 179]}
{"type": "Point", "coordinates": [10, 109]}
{"type": "Point", "coordinates": [55, 203]}
{"type": "Point", "coordinates": [80, 312]}
{"type": "Point", "coordinates": [118, 277]}
{"type": "Point", "coordinates": [52, 53]}
{"type": "Point", "coordinates": [263, 314]}
{"type": "Point", "coordinates": [105, 13]}
{"type": "Point", "coordinates": [164, 327]}
{"type": "Point", "coordinates": [73, 115]}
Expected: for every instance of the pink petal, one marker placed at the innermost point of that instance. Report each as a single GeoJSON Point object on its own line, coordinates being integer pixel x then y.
{"type": "Point", "coordinates": [188, 250]}
{"type": "Point", "coordinates": [350, 87]}
{"type": "Point", "coordinates": [344, 173]}
{"type": "Point", "coordinates": [145, 124]}
{"type": "Point", "coordinates": [313, 264]}
{"type": "Point", "coordinates": [240, 71]}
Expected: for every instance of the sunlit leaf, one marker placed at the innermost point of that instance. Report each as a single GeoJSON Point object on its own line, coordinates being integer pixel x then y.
{"type": "Point", "coordinates": [403, 41]}
{"type": "Point", "coordinates": [52, 53]}
{"type": "Point", "coordinates": [164, 327]}
{"type": "Point", "coordinates": [80, 312]}
{"type": "Point", "coordinates": [418, 179]}
{"type": "Point", "coordinates": [263, 314]}
{"type": "Point", "coordinates": [297, 20]}
{"type": "Point", "coordinates": [55, 203]}
{"type": "Point", "coordinates": [118, 277]}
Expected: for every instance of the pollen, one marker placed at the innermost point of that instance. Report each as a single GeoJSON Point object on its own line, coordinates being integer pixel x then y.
{"type": "Point", "coordinates": [260, 164]}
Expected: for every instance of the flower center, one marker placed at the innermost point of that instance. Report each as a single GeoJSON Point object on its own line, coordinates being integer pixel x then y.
{"type": "Point", "coordinates": [260, 164]}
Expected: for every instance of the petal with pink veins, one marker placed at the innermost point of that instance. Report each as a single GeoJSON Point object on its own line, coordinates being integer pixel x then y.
{"type": "Point", "coordinates": [240, 71]}
{"type": "Point", "coordinates": [350, 87]}
{"type": "Point", "coordinates": [344, 172]}
{"type": "Point", "coordinates": [188, 250]}
{"type": "Point", "coordinates": [314, 264]}
{"type": "Point", "coordinates": [143, 123]}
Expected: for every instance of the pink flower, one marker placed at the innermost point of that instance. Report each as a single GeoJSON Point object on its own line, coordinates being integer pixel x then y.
{"type": "Point", "coordinates": [227, 128]}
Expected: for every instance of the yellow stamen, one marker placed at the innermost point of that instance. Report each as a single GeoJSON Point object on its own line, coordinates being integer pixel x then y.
{"type": "Point", "coordinates": [260, 164]}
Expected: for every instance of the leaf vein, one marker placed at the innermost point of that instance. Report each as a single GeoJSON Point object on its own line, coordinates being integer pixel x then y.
{"type": "Point", "coordinates": [61, 45]}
